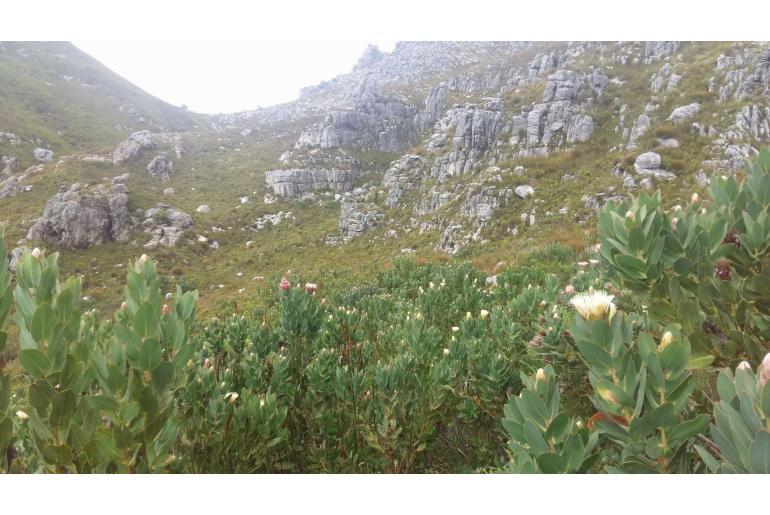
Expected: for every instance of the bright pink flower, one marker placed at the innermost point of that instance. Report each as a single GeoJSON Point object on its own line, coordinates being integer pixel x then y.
{"type": "Point", "coordinates": [284, 284]}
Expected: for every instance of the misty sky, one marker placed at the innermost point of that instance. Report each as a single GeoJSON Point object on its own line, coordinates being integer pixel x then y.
{"type": "Point", "coordinates": [228, 77]}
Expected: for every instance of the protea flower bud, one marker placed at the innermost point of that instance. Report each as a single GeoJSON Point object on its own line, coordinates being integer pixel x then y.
{"type": "Point", "coordinates": [418, 316]}
{"type": "Point", "coordinates": [231, 397]}
{"type": "Point", "coordinates": [666, 340]}
{"type": "Point", "coordinates": [732, 237]}
{"type": "Point", "coordinates": [539, 375]}
{"type": "Point", "coordinates": [207, 363]}
{"type": "Point", "coordinates": [569, 289]}
{"type": "Point", "coordinates": [282, 349]}
{"type": "Point", "coordinates": [723, 270]}
{"type": "Point", "coordinates": [630, 216]}
{"type": "Point", "coordinates": [446, 352]}
{"type": "Point", "coordinates": [483, 314]}
{"type": "Point", "coordinates": [165, 309]}
{"type": "Point", "coordinates": [674, 223]}
{"type": "Point", "coordinates": [284, 284]}
{"type": "Point", "coordinates": [368, 395]}
{"type": "Point", "coordinates": [123, 305]}
{"type": "Point", "coordinates": [744, 365]}
{"type": "Point", "coordinates": [142, 259]}
{"type": "Point", "coordinates": [189, 364]}
{"type": "Point", "coordinates": [695, 198]}
{"type": "Point", "coordinates": [36, 253]}
{"type": "Point", "coordinates": [311, 288]}
{"type": "Point", "coordinates": [763, 371]}
{"type": "Point", "coordinates": [468, 315]}
{"type": "Point", "coordinates": [22, 416]}
{"type": "Point", "coordinates": [455, 329]}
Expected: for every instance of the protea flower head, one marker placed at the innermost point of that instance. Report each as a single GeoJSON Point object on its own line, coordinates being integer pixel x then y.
{"type": "Point", "coordinates": [539, 375]}
{"type": "Point", "coordinates": [483, 314]}
{"type": "Point", "coordinates": [630, 216]}
{"type": "Point", "coordinates": [594, 305]}
{"type": "Point", "coordinates": [142, 259]}
{"type": "Point", "coordinates": [311, 287]}
{"type": "Point", "coordinates": [37, 253]}
{"type": "Point", "coordinates": [723, 270]}
{"type": "Point", "coordinates": [743, 365]}
{"type": "Point", "coordinates": [569, 289]}
{"type": "Point", "coordinates": [284, 284]}
{"type": "Point", "coordinates": [207, 363]}
{"type": "Point", "coordinates": [695, 198]}
{"type": "Point", "coordinates": [22, 416]}
{"type": "Point", "coordinates": [165, 309]}
{"type": "Point", "coordinates": [231, 397]}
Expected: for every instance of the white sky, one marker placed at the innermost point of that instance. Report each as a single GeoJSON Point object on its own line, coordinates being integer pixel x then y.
{"type": "Point", "coordinates": [228, 77]}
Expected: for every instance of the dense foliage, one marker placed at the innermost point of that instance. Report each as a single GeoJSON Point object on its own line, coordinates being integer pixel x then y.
{"type": "Point", "coordinates": [604, 365]}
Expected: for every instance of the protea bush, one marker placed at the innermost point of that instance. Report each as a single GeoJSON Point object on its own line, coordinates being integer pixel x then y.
{"type": "Point", "coordinates": [596, 361]}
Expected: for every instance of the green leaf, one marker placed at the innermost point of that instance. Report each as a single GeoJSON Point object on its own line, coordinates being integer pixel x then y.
{"type": "Point", "coordinates": [689, 429]}
{"type": "Point", "coordinates": [43, 322]}
{"type": "Point", "coordinates": [551, 463]}
{"type": "Point", "coordinates": [558, 428]}
{"type": "Point", "coordinates": [765, 399]}
{"type": "Point", "coordinates": [146, 320]}
{"type": "Point", "coordinates": [149, 354]}
{"type": "Point", "coordinates": [759, 454]}
{"type": "Point", "coordinates": [62, 408]}
{"type": "Point", "coordinates": [700, 362]}
{"type": "Point", "coordinates": [34, 362]}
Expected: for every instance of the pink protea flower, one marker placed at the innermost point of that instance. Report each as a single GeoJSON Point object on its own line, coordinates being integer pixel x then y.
{"type": "Point", "coordinates": [207, 363]}
{"type": "Point", "coordinates": [165, 309]}
{"type": "Point", "coordinates": [763, 370]}
{"type": "Point", "coordinates": [569, 290]}
{"type": "Point", "coordinates": [311, 287]}
{"type": "Point", "coordinates": [284, 284]}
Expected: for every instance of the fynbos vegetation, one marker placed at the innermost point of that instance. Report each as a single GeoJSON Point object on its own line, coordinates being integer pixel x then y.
{"type": "Point", "coordinates": [648, 355]}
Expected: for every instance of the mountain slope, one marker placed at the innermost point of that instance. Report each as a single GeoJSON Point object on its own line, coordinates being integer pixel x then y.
{"type": "Point", "coordinates": [55, 96]}
{"type": "Point", "coordinates": [472, 150]}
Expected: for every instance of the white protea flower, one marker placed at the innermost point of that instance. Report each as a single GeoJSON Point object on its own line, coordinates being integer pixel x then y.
{"type": "Point", "coordinates": [446, 352]}
{"type": "Point", "coordinates": [418, 316]}
{"type": "Point", "coordinates": [455, 329]}
{"type": "Point", "coordinates": [22, 416]}
{"type": "Point", "coordinates": [539, 375]}
{"type": "Point", "coordinates": [36, 253]}
{"type": "Point", "coordinates": [483, 314]}
{"type": "Point", "coordinates": [142, 259]}
{"type": "Point", "coordinates": [594, 305]}
{"type": "Point", "coordinates": [744, 365]}
{"type": "Point", "coordinates": [231, 397]}
{"type": "Point", "coordinates": [695, 198]}
{"type": "Point", "coordinates": [468, 315]}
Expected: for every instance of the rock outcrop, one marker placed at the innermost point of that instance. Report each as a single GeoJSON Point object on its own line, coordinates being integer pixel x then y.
{"type": "Point", "coordinates": [80, 217]}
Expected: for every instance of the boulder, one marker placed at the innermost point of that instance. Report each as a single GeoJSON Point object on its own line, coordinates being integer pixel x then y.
{"type": "Point", "coordinates": [203, 208]}
{"type": "Point", "coordinates": [79, 217]}
{"type": "Point", "coordinates": [43, 154]}
{"type": "Point", "coordinates": [161, 167]}
{"type": "Point", "coordinates": [684, 112]}
{"type": "Point", "coordinates": [649, 164]}
{"type": "Point", "coordinates": [524, 191]}
{"type": "Point", "coordinates": [165, 225]}
{"type": "Point", "coordinates": [133, 147]}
